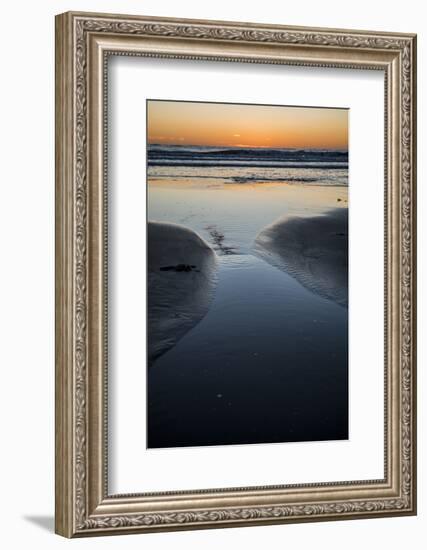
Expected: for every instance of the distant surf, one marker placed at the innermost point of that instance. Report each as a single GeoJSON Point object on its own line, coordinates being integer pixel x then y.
{"type": "Point", "coordinates": [249, 164]}
{"type": "Point", "coordinates": [245, 156]}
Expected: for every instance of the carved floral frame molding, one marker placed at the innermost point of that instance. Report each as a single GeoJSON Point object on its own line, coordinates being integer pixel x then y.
{"type": "Point", "coordinates": [83, 43]}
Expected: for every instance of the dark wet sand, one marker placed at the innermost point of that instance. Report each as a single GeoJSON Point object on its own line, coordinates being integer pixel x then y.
{"type": "Point", "coordinates": [181, 283]}
{"type": "Point", "coordinates": [313, 250]}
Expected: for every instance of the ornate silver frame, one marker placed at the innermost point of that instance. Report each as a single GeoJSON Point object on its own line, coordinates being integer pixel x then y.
{"type": "Point", "coordinates": [83, 42]}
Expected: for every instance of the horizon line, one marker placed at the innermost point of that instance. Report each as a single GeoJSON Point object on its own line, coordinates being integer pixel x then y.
{"type": "Point", "coordinates": [244, 146]}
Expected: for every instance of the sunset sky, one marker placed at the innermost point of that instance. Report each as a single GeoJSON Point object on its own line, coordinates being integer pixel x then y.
{"type": "Point", "coordinates": [222, 124]}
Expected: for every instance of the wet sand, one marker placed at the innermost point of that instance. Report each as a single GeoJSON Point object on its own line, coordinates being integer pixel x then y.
{"type": "Point", "coordinates": [313, 250]}
{"type": "Point", "coordinates": [181, 284]}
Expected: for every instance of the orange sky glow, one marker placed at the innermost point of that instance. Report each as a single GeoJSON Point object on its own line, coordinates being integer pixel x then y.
{"type": "Point", "coordinates": [229, 124]}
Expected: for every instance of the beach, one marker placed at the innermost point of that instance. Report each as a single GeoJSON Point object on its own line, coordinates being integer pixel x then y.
{"type": "Point", "coordinates": [264, 359]}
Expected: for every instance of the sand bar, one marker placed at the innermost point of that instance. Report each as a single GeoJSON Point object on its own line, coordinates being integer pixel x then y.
{"type": "Point", "coordinates": [181, 284]}
{"type": "Point", "coordinates": [313, 250]}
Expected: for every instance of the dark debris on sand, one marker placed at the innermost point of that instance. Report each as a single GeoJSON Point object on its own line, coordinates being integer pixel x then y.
{"type": "Point", "coordinates": [218, 242]}
{"type": "Point", "coordinates": [180, 268]}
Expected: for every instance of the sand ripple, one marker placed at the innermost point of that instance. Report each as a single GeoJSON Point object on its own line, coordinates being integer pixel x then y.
{"type": "Point", "coordinates": [313, 250]}
{"type": "Point", "coordinates": [181, 283]}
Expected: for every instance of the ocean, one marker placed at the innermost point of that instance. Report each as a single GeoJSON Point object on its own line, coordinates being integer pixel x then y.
{"type": "Point", "coordinates": [249, 165]}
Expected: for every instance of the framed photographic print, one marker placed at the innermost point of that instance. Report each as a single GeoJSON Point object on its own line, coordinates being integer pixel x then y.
{"type": "Point", "coordinates": [235, 274]}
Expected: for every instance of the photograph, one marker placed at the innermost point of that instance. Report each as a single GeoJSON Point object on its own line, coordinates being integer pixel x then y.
{"type": "Point", "coordinates": [247, 273]}
{"type": "Point", "coordinates": [235, 271]}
